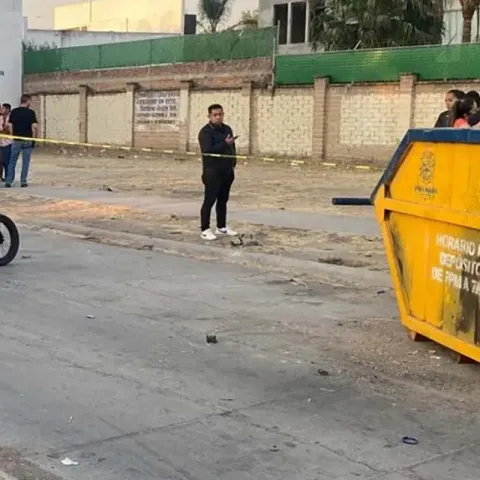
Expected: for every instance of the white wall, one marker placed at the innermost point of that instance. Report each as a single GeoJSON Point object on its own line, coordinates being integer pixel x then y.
{"type": "Point", "coordinates": [454, 23]}
{"type": "Point", "coordinates": [66, 38]}
{"type": "Point", "coordinates": [11, 58]}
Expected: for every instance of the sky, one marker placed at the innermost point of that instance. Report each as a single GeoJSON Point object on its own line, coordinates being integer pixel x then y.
{"type": "Point", "coordinates": [40, 12]}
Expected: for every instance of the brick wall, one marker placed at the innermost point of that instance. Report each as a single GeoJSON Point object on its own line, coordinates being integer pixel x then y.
{"type": "Point", "coordinates": [282, 122]}
{"type": "Point", "coordinates": [325, 121]}
{"type": "Point", "coordinates": [62, 112]}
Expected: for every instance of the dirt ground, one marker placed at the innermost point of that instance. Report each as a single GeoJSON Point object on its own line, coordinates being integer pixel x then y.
{"type": "Point", "coordinates": [317, 246]}
{"type": "Point", "coordinates": [260, 185]}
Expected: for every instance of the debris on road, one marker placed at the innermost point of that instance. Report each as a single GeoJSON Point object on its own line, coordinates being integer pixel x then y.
{"type": "Point", "coordinates": [238, 242]}
{"type": "Point", "coordinates": [68, 462]}
{"type": "Point", "coordinates": [409, 441]}
{"type": "Point", "coordinates": [90, 317]}
{"type": "Point", "coordinates": [274, 448]}
{"type": "Point", "coordinates": [323, 373]}
{"type": "Point", "coordinates": [296, 282]}
{"type": "Point", "coordinates": [211, 339]}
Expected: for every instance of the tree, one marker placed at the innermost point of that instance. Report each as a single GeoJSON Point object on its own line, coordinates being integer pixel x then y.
{"type": "Point", "coordinates": [469, 7]}
{"type": "Point", "coordinates": [31, 46]}
{"type": "Point", "coordinates": [249, 19]}
{"type": "Point", "coordinates": [347, 24]}
{"type": "Point", "coordinates": [212, 13]}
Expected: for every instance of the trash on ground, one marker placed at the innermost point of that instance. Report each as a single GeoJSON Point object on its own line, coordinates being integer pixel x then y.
{"type": "Point", "coordinates": [409, 441]}
{"type": "Point", "coordinates": [211, 339]}
{"type": "Point", "coordinates": [90, 317]}
{"type": "Point", "coordinates": [323, 373]}
{"type": "Point", "coordinates": [294, 281]}
{"type": "Point", "coordinates": [68, 462]}
{"type": "Point", "coordinates": [238, 242]}
{"type": "Point", "coordinates": [274, 448]}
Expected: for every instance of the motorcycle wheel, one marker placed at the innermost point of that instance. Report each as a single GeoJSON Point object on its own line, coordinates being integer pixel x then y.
{"type": "Point", "coordinates": [9, 240]}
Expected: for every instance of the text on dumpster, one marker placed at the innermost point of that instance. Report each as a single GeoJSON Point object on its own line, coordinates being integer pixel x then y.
{"type": "Point", "coordinates": [458, 263]}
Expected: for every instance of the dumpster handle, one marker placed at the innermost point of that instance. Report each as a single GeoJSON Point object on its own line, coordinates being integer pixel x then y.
{"type": "Point", "coordinates": [354, 201]}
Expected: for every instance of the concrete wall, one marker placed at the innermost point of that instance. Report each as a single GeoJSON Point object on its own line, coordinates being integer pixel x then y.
{"type": "Point", "coordinates": [72, 38]}
{"type": "Point", "coordinates": [109, 118]}
{"type": "Point", "coordinates": [62, 114]}
{"type": "Point", "coordinates": [164, 108]}
{"type": "Point", "coordinates": [11, 52]}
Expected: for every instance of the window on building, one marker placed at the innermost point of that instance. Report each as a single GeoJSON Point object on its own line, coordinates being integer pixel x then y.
{"type": "Point", "coordinates": [299, 22]}
{"type": "Point", "coordinates": [190, 24]}
{"type": "Point", "coordinates": [280, 19]}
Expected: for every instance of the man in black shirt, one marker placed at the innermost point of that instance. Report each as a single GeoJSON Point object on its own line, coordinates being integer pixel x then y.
{"type": "Point", "coordinates": [218, 171]}
{"type": "Point", "coordinates": [23, 125]}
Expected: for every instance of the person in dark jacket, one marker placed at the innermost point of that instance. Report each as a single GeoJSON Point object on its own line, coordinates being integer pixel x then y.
{"type": "Point", "coordinates": [444, 119]}
{"type": "Point", "coordinates": [474, 118]}
{"type": "Point", "coordinates": [217, 144]}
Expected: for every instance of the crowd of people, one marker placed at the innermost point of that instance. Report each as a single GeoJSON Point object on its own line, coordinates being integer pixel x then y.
{"type": "Point", "coordinates": [21, 122]}
{"type": "Point", "coordinates": [463, 110]}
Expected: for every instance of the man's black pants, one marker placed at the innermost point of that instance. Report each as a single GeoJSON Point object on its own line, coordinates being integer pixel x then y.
{"type": "Point", "coordinates": [217, 182]}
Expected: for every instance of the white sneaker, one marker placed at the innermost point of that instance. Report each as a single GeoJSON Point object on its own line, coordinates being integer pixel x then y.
{"type": "Point", "coordinates": [226, 231]}
{"type": "Point", "coordinates": [208, 235]}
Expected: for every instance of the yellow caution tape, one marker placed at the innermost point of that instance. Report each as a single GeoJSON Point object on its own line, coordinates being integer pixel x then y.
{"type": "Point", "coordinates": [49, 141]}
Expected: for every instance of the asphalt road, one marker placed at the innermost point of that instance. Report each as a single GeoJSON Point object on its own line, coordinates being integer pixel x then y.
{"type": "Point", "coordinates": [103, 360]}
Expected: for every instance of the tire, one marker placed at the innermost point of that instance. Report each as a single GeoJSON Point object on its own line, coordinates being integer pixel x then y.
{"type": "Point", "coordinates": [8, 256]}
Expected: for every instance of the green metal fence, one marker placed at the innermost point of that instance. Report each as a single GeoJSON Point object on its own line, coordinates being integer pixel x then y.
{"type": "Point", "coordinates": [440, 62]}
{"type": "Point", "coordinates": [229, 45]}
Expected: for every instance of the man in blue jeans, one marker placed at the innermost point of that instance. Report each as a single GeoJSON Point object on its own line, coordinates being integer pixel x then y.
{"type": "Point", "coordinates": [23, 125]}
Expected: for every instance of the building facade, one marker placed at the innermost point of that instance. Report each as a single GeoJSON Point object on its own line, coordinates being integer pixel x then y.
{"type": "Point", "coordinates": [293, 21]}
{"type": "Point", "coordinates": [11, 57]}
{"type": "Point", "coordinates": [121, 16]}
{"type": "Point", "coordinates": [454, 23]}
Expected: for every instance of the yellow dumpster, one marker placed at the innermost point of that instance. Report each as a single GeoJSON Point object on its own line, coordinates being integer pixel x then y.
{"type": "Point", "coordinates": [428, 206]}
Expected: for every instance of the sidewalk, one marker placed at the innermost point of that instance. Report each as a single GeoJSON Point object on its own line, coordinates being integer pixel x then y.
{"type": "Point", "coordinates": [347, 225]}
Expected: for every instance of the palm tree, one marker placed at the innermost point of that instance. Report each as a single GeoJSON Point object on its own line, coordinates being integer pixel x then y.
{"type": "Point", "coordinates": [347, 24]}
{"type": "Point", "coordinates": [212, 13]}
{"type": "Point", "coordinates": [249, 19]}
{"type": "Point", "coordinates": [469, 7]}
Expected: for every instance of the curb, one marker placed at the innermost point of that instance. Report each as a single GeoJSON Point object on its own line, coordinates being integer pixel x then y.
{"type": "Point", "coordinates": [332, 274]}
